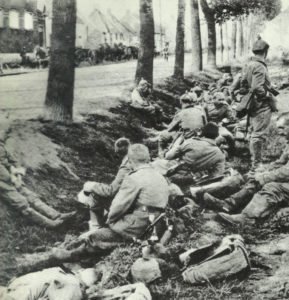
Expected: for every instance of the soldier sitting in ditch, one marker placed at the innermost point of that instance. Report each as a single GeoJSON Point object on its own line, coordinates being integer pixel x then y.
{"type": "Point", "coordinates": [188, 121]}
{"type": "Point", "coordinates": [104, 193]}
{"type": "Point", "coordinates": [143, 192]}
{"type": "Point", "coordinates": [192, 157]}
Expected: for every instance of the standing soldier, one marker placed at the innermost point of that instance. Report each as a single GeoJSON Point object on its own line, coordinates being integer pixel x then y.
{"type": "Point", "coordinates": [256, 79]}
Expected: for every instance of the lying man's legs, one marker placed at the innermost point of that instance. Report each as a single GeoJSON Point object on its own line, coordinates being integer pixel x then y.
{"type": "Point", "coordinates": [235, 202]}
{"type": "Point", "coordinates": [262, 204]}
{"type": "Point", "coordinates": [21, 204]}
{"type": "Point", "coordinates": [41, 207]}
{"type": "Point", "coordinates": [89, 242]}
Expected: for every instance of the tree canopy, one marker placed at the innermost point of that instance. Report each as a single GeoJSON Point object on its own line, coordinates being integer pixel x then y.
{"type": "Point", "coordinates": [226, 9]}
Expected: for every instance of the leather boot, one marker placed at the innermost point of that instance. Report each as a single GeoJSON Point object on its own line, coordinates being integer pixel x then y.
{"type": "Point", "coordinates": [237, 220]}
{"type": "Point", "coordinates": [37, 218]}
{"type": "Point", "coordinates": [221, 189]}
{"type": "Point", "coordinates": [214, 203]}
{"type": "Point", "coordinates": [239, 200]}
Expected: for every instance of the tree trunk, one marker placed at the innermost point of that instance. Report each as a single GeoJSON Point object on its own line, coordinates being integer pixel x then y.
{"type": "Point", "coordinates": [234, 40]}
{"type": "Point", "coordinates": [60, 88]}
{"type": "Point", "coordinates": [197, 58]}
{"type": "Point", "coordinates": [227, 44]}
{"type": "Point", "coordinates": [147, 42]}
{"type": "Point", "coordinates": [240, 42]}
{"type": "Point", "coordinates": [221, 43]}
{"type": "Point", "coordinates": [180, 41]}
{"type": "Point", "coordinates": [210, 18]}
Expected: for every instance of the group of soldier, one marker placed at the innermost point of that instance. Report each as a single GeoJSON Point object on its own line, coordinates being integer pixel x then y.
{"type": "Point", "coordinates": [189, 151]}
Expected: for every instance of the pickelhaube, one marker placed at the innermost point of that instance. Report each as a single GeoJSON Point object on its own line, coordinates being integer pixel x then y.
{"type": "Point", "coordinates": [260, 45]}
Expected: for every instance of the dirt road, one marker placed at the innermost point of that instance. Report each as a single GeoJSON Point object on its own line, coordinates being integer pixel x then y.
{"type": "Point", "coordinates": [22, 96]}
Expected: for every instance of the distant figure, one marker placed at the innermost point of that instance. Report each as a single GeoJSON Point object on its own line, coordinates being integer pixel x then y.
{"type": "Point", "coordinates": [23, 55]}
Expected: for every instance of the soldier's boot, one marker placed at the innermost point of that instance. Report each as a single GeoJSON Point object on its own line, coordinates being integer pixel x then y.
{"type": "Point", "coordinates": [214, 203]}
{"type": "Point", "coordinates": [38, 218]}
{"type": "Point", "coordinates": [259, 207]}
{"type": "Point", "coordinates": [225, 187]}
{"type": "Point", "coordinates": [64, 255]}
{"type": "Point", "coordinates": [37, 204]}
{"type": "Point", "coordinates": [256, 147]}
{"type": "Point", "coordinates": [239, 200]}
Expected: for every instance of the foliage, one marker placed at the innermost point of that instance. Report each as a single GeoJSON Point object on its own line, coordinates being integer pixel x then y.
{"type": "Point", "coordinates": [226, 9]}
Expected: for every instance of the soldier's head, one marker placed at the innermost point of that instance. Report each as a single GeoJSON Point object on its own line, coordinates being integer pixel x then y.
{"type": "Point", "coordinates": [210, 131]}
{"type": "Point", "coordinates": [197, 90]}
{"type": "Point", "coordinates": [188, 99]}
{"type": "Point", "coordinates": [219, 99]}
{"type": "Point", "coordinates": [121, 146]}
{"type": "Point", "coordinates": [138, 154]}
{"type": "Point", "coordinates": [283, 125]}
{"type": "Point", "coordinates": [260, 47]}
{"type": "Point", "coordinates": [143, 85]}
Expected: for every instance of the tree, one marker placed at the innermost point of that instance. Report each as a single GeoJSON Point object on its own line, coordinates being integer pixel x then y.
{"type": "Point", "coordinates": [209, 13]}
{"type": "Point", "coordinates": [237, 9]}
{"type": "Point", "coordinates": [60, 88]}
{"type": "Point", "coordinates": [240, 38]}
{"type": "Point", "coordinates": [180, 41]}
{"type": "Point", "coordinates": [147, 42]}
{"type": "Point", "coordinates": [234, 39]}
{"type": "Point", "coordinates": [197, 58]}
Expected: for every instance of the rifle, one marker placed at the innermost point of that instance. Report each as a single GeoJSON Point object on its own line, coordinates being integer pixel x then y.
{"type": "Point", "coordinates": [153, 224]}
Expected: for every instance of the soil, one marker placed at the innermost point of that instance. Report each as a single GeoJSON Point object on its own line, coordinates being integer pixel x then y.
{"type": "Point", "coordinates": [59, 158]}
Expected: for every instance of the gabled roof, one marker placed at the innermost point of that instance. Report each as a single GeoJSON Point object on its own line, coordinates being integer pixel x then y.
{"type": "Point", "coordinates": [108, 23]}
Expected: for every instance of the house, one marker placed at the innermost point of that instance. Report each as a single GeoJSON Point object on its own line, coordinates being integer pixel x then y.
{"type": "Point", "coordinates": [107, 28]}
{"type": "Point", "coordinates": [21, 25]}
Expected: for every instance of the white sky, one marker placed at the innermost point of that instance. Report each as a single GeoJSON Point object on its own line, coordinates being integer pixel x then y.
{"type": "Point", "coordinates": [119, 7]}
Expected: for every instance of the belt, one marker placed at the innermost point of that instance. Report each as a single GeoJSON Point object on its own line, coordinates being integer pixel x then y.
{"type": "Point", "coordinates": [149, 209]}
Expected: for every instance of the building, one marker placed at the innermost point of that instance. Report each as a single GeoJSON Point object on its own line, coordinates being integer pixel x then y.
{"type": "Point", "coordinates": [108, 29]}
{"type": "Point", "coordinates": [21, 25]}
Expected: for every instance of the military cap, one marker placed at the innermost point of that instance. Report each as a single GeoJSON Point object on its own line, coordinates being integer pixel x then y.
{"type": "Point", "coordinates": [260, 45]}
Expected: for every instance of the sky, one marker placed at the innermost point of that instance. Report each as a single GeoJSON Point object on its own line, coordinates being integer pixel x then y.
{"type": "Point", "coordinates": [119, 7]}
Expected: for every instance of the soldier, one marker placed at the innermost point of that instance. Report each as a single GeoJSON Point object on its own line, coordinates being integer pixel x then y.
{"type": "Point", "coordinates": [270, 188]}
{"type": "Point", "coordinates": [14, 193]}
{"type": "Point", "coordinates": [104, 193]}
{"type": "Point", "coordinates": [188, 121]}
{"type": "Point", "coordinates": [140, 98]}
{"type": "Point", "coordinates": [256, 78]}
{"type": "Point", "coordinates": [191, 156]}
{"type": "Point", "coordinates": [219, 109]}
{"type": "Point", "coordinates": [200, 94]}
{"type": "Point", "coordinates": [143, 192]}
